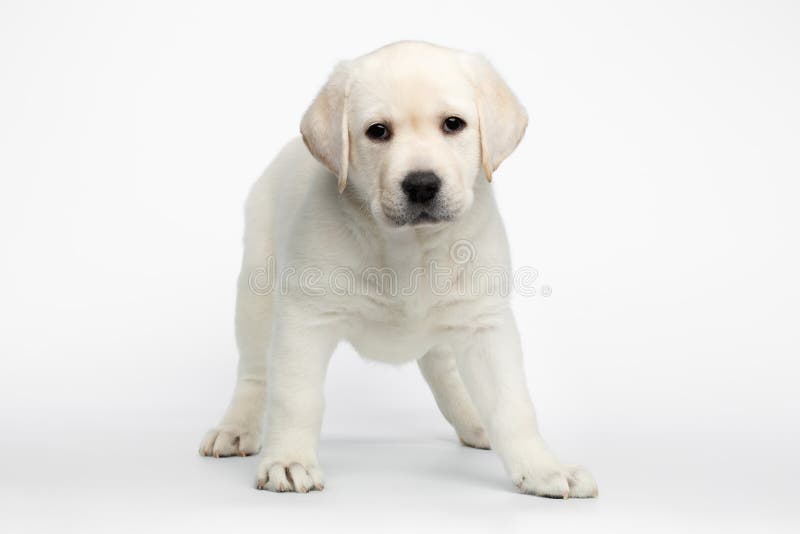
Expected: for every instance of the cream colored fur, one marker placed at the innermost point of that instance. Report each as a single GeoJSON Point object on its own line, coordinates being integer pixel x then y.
{"type": "Point", "coordinates": [333, 203]}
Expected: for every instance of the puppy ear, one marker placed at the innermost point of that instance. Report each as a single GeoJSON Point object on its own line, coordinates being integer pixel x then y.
{"type": "Point", "coordinates": [501, 117]}
{"type": "Point", "coordinates": [324, 126]}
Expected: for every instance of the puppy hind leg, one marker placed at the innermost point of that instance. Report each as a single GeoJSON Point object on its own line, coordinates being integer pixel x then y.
{"type": "Point", "coordinates": [239, 431]}
{"type": "Point", "coordinates": [440, 370]}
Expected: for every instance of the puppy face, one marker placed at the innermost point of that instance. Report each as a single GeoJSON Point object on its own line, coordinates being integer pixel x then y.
{"type": "Point", "coordinates": [409, 128]}
{"type": "Point", "coordinates": [414, 143]}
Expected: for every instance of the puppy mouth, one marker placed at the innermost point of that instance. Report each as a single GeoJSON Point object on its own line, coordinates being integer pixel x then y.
{"type": "Point", "coordinates": [421, 218]}
{"type": "Point", "coordinates": [426, 218]}
{"type": "Point", "coordinates": [405, 213]}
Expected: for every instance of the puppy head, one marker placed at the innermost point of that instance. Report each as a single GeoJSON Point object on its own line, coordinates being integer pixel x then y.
{"type": "Point", "coordinates": [411, 126]}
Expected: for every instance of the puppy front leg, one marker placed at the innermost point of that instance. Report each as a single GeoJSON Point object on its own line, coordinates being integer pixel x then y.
{"type": "Point", "coordinates": [491, 367]}
{"type": "Point", "coordinates": [296, 372]}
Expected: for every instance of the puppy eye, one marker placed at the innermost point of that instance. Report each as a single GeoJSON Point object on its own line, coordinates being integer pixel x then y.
{"type": "Point", "coordinates": [378, 132]}
{"type": "Point", "coordinates": [453, 124]}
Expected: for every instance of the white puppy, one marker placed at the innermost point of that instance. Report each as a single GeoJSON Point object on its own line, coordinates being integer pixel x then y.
{"type": "Point", "coordinates": [405, 257]}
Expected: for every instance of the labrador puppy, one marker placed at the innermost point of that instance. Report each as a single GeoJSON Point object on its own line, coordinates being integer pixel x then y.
{"type": "Point", "coordinates": [380, 228]}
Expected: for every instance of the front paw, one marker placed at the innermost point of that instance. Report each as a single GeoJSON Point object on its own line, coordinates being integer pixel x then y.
{"type": "Point", "coordinates": [556, 481]}
{"type": "Point", "coordinates": [289, 475]}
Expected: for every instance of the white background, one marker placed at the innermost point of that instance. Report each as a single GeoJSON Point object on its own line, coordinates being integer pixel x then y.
{"type": "Point", "coordinates": [656, 192]}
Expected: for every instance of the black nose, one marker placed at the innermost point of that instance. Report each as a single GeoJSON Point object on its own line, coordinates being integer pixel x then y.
{"type": "Point", "coordinates": [421, 186]}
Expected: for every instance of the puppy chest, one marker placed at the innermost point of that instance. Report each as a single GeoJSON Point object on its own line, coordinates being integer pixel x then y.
{"type": "Point", "coordinates": [376, 341]}
{"type": "Point", "coordinates": [399, 331]}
